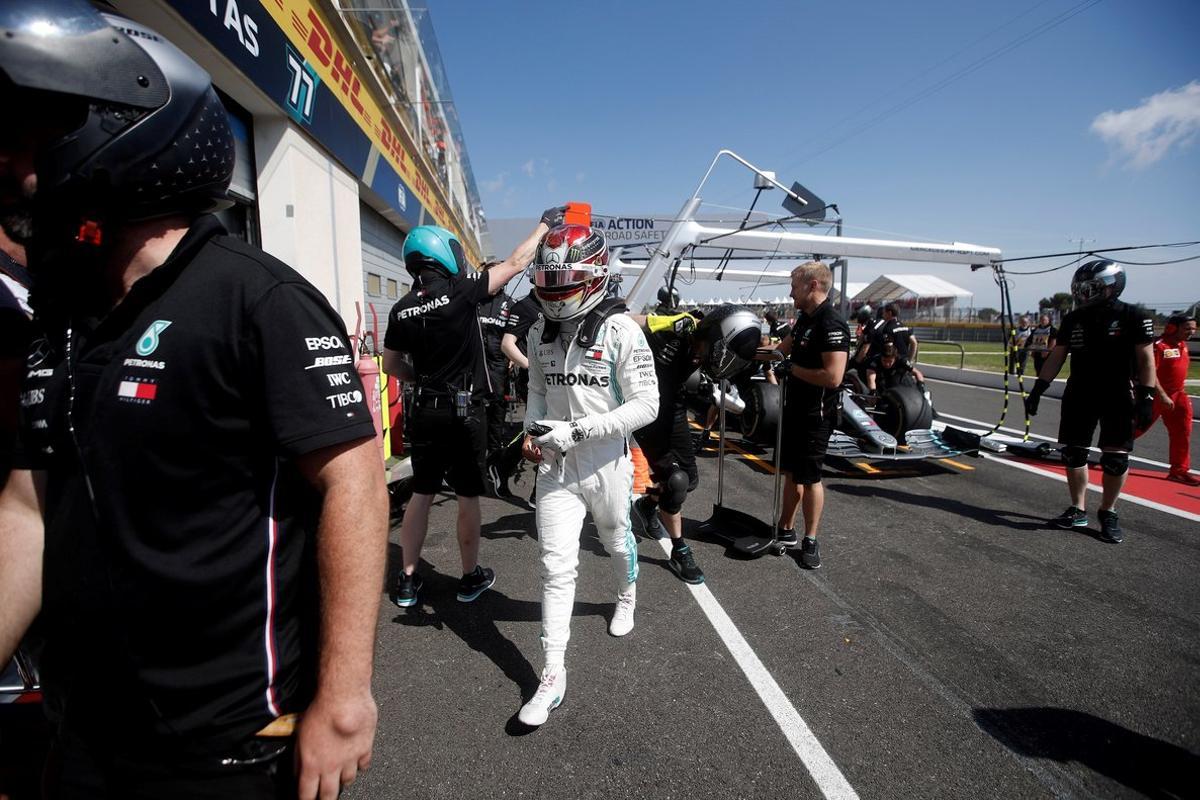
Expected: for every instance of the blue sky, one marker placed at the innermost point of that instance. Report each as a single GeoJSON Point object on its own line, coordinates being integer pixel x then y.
{"type": "Point", "coordinates": [624, 104]}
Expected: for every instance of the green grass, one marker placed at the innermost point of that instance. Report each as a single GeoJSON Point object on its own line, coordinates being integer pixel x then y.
{"type": "Point", "coordinates": [990, 357]}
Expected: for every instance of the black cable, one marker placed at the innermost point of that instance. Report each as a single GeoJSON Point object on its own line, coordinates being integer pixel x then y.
{"type": "Point", "coordinates": [1154, 263]}
{"type": "Point", "coordinates": [1094, 250]}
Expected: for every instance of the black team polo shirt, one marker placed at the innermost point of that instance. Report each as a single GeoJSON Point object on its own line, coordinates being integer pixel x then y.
{"type": "Point", "coordinates": [182, 604]}
{"type": "Point", "coordinates": [814, 335]}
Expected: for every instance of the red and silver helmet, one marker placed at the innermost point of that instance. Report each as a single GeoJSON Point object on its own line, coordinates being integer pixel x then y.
{"type": "Point", "coordinates": [570, 271]}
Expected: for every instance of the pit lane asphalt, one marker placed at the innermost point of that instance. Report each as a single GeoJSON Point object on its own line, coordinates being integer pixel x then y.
{"type": "Point", "coordinates": [951, 645]}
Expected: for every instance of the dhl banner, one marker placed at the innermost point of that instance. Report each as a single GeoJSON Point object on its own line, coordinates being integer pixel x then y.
{"type": "Point", "coordinates": [287, 48]}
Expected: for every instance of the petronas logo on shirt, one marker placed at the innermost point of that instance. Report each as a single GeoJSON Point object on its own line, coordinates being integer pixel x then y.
{"type": "Point", "coordinates": [149, 341]}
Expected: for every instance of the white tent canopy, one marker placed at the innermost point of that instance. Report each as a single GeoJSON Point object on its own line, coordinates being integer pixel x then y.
{"type": "Point", "coordinates": [890, 288]}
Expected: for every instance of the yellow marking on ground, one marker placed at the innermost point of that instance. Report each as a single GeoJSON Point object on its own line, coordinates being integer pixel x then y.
{"type": "Point", "coordinates": [765, 464]}
{"type": "Point", "coordinates": [867, 468]}
{"type": "Point", "coordinates": [958, 464]}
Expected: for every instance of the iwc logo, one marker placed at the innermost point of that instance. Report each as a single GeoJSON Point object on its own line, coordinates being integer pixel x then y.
{"type": "Point", "coordinates": [149, 341]}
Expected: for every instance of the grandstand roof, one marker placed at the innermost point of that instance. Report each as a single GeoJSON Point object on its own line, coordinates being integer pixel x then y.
{"type": "Point", "coordinates": [887, 288]}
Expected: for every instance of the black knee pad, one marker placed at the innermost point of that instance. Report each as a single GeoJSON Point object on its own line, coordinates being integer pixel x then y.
{"type": "Point", "coordinates": [673, 492]}
{"type": "Point", "coordinates": [1114, 463]}
{"type": "Point", "coordinates": [1074, 456]}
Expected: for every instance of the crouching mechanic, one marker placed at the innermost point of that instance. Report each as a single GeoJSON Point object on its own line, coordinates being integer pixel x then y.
{"type": "Point", "coordinates": [591, 385]}
{"type": "Point", "coordinates": [1109, 344]}
{"type": "Point", "coordinates": [721, 344]}
{"type": "Point", "coordinates": [436, 324]}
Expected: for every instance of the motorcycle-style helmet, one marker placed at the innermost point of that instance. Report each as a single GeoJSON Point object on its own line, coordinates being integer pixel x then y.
{"type": "Point", "coordinates": [570, 271]}
{"type": "Point", "coordinates": [433, 247]}
{"type": "Point", "coordinates": [140, 132]}
{"type": "Point", "coordinates": [731, 335]}
{"type": "Point", "coordinates": [1097, 282]}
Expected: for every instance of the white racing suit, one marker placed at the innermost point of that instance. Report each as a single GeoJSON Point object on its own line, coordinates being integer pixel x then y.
{"type": "Point", "coordinates": [610, 389]}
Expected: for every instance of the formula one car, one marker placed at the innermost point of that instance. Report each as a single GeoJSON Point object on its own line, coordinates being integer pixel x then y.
{"type": "Point", "coordinates": [891, 426]}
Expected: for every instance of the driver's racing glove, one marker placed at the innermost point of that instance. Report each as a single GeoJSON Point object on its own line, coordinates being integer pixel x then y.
{"type": "Point", "coordinates": [1143, 407]}
{"type": "Point", "coordinates": [682, 324]}
{"type": "Point", "coordinates": [558, 435]}
{"type": "Point", "coordinates": [1035, 396]}
{"type": "Point", "coordinates": [553, 217]}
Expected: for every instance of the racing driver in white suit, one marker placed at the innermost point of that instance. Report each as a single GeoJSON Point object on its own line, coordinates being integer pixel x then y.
{"type": "Point", "coordinates": [591, 385]}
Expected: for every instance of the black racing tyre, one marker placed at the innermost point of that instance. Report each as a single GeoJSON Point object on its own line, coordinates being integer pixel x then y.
{"type": "Point", "coordinates": [903, 409]}
{"type": "Point", "coordinates": [761, 417]}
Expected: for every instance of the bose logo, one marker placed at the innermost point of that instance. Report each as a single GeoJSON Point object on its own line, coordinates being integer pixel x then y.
{"type": "Point", "coordinates": [323, 343]}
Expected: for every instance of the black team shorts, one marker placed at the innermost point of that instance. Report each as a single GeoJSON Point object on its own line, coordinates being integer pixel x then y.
{"type": "Point", "coordinates": [1085, 407]}
{"type": "Point", "coordinates": [447, 447]}
{"type": "Point", "coordinates": [806, 435]}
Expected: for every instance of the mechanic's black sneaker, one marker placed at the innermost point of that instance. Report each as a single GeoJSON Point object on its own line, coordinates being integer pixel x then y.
{"type": "Point", "coordinates": [533, 497]}
{"type": "Point", "coordinates": [647, 512]}
{"type": "Point", "coordinates": [683, 564]}
{"type": "Point", "coordinates": [786, 538]}
{"type": "Point", "coordinates": [1110, 527]}
{"type": "Point", "coordinates": [702, 439]}
{"type": "Point", "coordinates": [404, 593]}
{"type": "Point", "coordinates": [1071, 518]}
{"type": "Point", "coordinates": [810, 553]}
{"type": "Point", "coordinates": [475, 583]}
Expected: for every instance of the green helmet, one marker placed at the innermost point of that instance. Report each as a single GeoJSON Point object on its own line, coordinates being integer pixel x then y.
{"type": "Point", "coordinates": [433, 247]}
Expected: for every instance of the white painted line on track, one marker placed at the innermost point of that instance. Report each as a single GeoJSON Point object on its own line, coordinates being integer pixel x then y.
{"type": "Point", "coordinates": [1018, 433]}
{"type": "Point", "coordinates": [1125, 498]}
{"type": "Point", "coordinates": [1013, 390]}
{"type": "Point", "coordinates": [820, 766]}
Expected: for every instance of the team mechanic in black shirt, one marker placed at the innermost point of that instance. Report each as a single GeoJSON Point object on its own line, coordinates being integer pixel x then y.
{"type": "Point", "coordinates": [819, 347]}
{"type": "Point", "coordinates": [720, 344]}
{"type": "Point", "coordinates": [493, 320]}
{"type": "Point", "coordinates": [1110, 347]}
{"type": "Point", "coordinates": [199, 462]}
{"type": "Point", "coordinates": [436, 324]}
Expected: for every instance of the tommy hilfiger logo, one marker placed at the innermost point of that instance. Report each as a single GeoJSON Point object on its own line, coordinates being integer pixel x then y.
{"type": "Point", "coordinates": [142, 392]}
{"type": "Point", "coordinates": [595, 353]}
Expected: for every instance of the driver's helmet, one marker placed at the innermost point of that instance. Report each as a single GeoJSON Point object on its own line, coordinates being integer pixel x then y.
{"type": "Point", "coordinates": [1097, 281]}
{"type": "Point", "coordinates": [144, 134]}
{"type": "Point", "coordinates": [731, 335]}
{"type": "Point", "coordinates": [433, 247]}
{"type": "Point", "coordinates": [570, 271]}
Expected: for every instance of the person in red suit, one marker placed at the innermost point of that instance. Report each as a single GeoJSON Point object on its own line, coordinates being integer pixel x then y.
{"type": "Point", "coordinates": [1171, 401]}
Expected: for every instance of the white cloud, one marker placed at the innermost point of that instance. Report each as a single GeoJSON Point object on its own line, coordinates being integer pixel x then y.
{"type": "Point", "coordinates": [528, 168]}
{"type": "Point", "coordinates": [495, 184]}
{"type": "Point", "coordinates": [1145, 133]}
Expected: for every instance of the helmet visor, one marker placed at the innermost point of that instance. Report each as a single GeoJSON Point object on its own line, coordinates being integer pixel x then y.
{"type": "Point", "coordinates": [563, 276]}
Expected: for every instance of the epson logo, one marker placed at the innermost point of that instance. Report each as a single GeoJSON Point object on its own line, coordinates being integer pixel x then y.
{"type": "Point", "coordinates": [559, 379]}
{"type": "Point", "coordinates": [416, 311]}
{"type": "Point", "coordinates": [323, 343]}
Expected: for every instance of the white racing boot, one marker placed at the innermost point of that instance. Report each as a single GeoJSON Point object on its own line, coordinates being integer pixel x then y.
{"type": "Point", "coordinates": [549, 696]}
{"type": "Point", "coordinates": [622, 620]}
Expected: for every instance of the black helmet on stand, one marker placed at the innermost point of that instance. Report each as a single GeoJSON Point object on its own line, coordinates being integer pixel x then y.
{"type": "Point", "coordinates": [140, 132]}
{"type": "Point", "coordinates": [732, 335]}
{"type": "Point", "coordinates": [1097, 281]}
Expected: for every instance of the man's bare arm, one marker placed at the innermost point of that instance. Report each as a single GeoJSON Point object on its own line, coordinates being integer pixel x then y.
{"type": "Point", "coordinates": [833, 369]}
{"type": "Point", "coordinates": [22, 538]}
{"type": "Point", "coordinates": [508, 346]}
{"type": "Point", "coordinates": [396, 365]}
{"type": "Point", "coordinates": [338, 728]}
{"type": "Point", "coordinates": [507, 269]}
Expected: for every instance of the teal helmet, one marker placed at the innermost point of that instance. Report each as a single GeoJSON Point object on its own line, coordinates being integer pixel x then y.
{"type": "Point", "coordinates": [433, 247]}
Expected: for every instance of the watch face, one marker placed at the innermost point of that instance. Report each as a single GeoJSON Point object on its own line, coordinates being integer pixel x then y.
{"type": "Point", "coordinates": [576, 433]}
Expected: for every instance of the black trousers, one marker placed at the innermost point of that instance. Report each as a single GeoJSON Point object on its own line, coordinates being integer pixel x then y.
{"type": "Point", "coordinates": [79, 769]}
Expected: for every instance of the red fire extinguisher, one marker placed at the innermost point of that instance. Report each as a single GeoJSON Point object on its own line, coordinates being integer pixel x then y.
{"type": "Point", "coordinates": [368, 372]}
